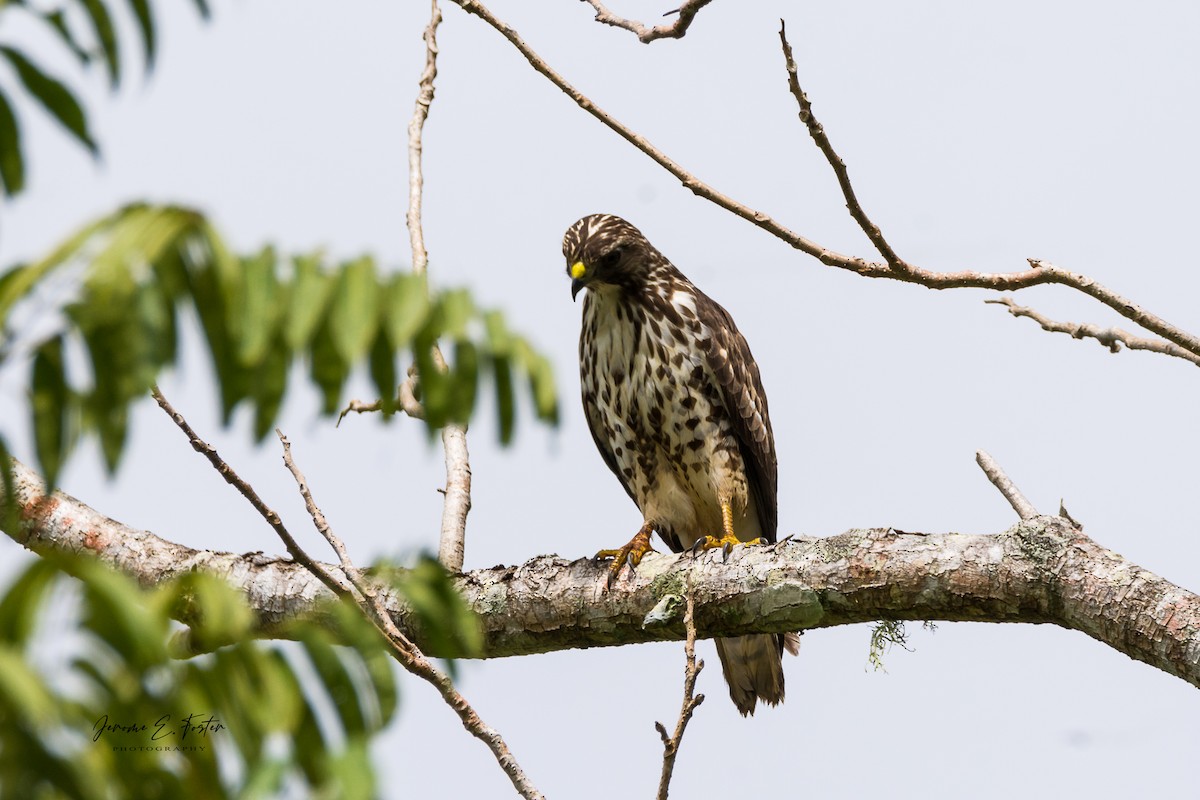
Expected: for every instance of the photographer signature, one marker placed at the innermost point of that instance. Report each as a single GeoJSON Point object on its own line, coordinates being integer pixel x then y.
{"type": "Point", "coordinates": [161, 728]}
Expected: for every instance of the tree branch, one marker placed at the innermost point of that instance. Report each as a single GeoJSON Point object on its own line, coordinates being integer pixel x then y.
{"type": "Point", "coordinates": [1042, 570]}
{"type": "Point", "coordinates": [1039, 272]}
{"type": "Point", "coordinates": [691, 700]}
{"type": "Point", "coordinates": [406, 401]}
{"type": "Point", "coordinates": [1001, 481]}
{"type": "Point", "coordinates": [457, 503]}
{"type": "Point", "coordinates": [1112, 338]}
{"type": "Point", "coordinates": [817, 131]}
{"type": "Point", "coordinates": [676, 30]}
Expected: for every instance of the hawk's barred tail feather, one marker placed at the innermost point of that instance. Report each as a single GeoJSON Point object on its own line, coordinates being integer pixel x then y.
{"type": "Point", "coordinates": [753, 668]}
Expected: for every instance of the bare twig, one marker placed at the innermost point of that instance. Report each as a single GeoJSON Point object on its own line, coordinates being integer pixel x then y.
{"type": "Point", "coordinates": [406, 401]}
{"type": "Point", "coordinates": [817, 131]}
{"type": "Point", "coordinates": [1039, 272]}
{"type": "Point", "coordinates": [690, 699]}
{"type": "Point", "coordinates": [336, 585]}
{"type": "Point", "coordinates": [676, 30]}
{"type": "Point", "coordinates": [1012, 494]}
{"type": "Point", "coordinates": [402, 648]}
{"type": "Point", "coordinates": [416, 181]}
{"type": "Point", "coordinates": [1112, 338]}
{"type": "Point", "coordinates": [457, 503]}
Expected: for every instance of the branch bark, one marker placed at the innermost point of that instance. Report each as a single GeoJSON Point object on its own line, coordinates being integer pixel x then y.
{"type": "Point", "coordinates": [1042, 570]}
{"type": "Point", "coordinates": [686, 13]}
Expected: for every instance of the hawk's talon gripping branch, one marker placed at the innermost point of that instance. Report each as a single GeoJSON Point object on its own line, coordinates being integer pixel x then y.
{"type": "Point", "coordinates": [630, 554]}
{"type": "Point", "coordinates": [726, 541]}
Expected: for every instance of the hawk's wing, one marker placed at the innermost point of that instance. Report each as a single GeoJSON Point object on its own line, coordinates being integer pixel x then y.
{"type": "Point", "coordinates": [604, 444]}
{"type": "Point", "coordinates": [736, 372]}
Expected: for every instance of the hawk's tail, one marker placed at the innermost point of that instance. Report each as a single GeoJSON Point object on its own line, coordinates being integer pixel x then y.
{"type": "Point", "coordinates": [753, 667]}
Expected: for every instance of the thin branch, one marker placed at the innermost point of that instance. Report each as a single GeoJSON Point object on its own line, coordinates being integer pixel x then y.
{"type": "Point", "coordinates": [457, 503]}
{"type": "Point", "coordinates": [1112, 338]}
{"type": "Point", "coordinates": [690, 699]}
{"type": "Point", "coordinates": [406, 401]}
{"type": "Point", "coordinates": [676, 30]}
{"type": "Point", "coordinates": [335, 584]}
{"type": "Point", "coordinates": [416, 181]}
{"type": "Point", "coordinates": [1039, 272]}
{"type": "Point", "coordinates": [1012, 494]}
{"type": "Point", "coordinates": [401, 646]}
{"type": "Point", "coordinates": [817, 131]}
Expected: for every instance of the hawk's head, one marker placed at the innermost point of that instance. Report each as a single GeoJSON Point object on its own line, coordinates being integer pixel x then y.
{"type": "Point", "coordinates": [607, 250]}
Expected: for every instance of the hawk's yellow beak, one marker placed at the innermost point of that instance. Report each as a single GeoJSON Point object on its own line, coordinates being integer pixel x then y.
{"type": "Point", "coordinates": [577, 272]}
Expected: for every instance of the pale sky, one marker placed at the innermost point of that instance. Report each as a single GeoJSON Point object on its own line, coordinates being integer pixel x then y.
{"type": "Point", "coordinates": [977, 136]}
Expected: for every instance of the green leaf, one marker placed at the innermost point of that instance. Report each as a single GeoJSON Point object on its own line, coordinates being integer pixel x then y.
{"type": "Point", "coordinates": [311, 289]}
{"type": "Point", "coordinates": [457, 309]}
{"type": "Point", "coordinates": [406, 308]}
{"type": "Point", "coordinates": [57, 20]}
{"type": "Point", "coordinates": [23, 601]}
{"type": "Point", "coordinates": [12, 164]}
{"type": "Point", "coordinates": [202, 7]}
{"type": "Point", "coordinates": [310, 746]}
{"type": "Point", "coordinates": [10, 507]}
{"type": "Point", "coordinates": [337, 681]}
{"type": "Point", "coordinates": [209, 302]}
{"type": "Point", "coordinates": [359, 633]}
{"type": "Point", "coordinates": [545, 395]}
{"type": "Point", "coordinates": [24, 698]}
{"type": "Point", "coordinates": [383, 373]}
{"type": "Point", "coordinates": [106, 37]}
{"type": "Point", "coordinates": [354, 312]}
{"type": "Point", "coordinates": [216, 613]}
{"type": "Point", "coordinates": [435, 387]}
{"type": "Point", "coordinates": [448, 625]}
{"type": "Point", "coordinates": [328, 370]}
{"type": "Point", "coordinates": [351, 770]}
{"type": "Point", "coordinates": [259, 309]}
{"type": "Point", "coordinates": [505, 405]}
{"type": "Point", "coordinates": [145, 22]}
{"type": "Point", "coordinates": [466, 379]}
{"type": "Point", "coordinates": [49, 402]}
{"type": "Point", "coordinates": [266, 779]}
{"type": "Point", "coordinates": [119, 368]}
{"type": "Point", "coordinates": [115, 610]}
{"type": "Point", "coordinates": [19, 281]}
{"type": "Point", "coordinates": [156, 320]}
{"type": "Point", "coordinates": [270, 383]}
{"type": "Point", "coordinates": [53, 95]}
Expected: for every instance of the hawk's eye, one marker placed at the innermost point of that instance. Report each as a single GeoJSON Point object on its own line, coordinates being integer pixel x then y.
{"type": "Point", "coordinates": [610, 259]}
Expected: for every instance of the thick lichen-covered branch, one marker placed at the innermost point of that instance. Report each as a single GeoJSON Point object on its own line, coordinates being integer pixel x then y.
{"type": "Point", "coordinates": [1042, 570]}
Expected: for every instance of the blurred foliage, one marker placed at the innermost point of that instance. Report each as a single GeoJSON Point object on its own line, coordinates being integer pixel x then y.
{"type": "Point", "coordinates": [246, 720]}
{"type": "Point", "coordinates": [87, 32]}
{"type": "Point", "coordinates": [142, 264]}
{"type": "Point", "coordinates": [445, 623]}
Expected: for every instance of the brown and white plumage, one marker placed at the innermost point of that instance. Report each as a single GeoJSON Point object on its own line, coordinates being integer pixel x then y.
{"type": "Point", "coordinates": [676, 406]}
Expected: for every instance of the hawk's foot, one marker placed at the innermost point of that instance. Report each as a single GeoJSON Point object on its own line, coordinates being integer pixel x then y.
{"type": "Point", "coordinates": [630, 554]}
{"type": "Point", "coordinates": [725, 542]}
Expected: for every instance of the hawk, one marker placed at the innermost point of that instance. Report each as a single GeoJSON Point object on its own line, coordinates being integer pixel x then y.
{"type": "Point", "coordinates": [676, 406]}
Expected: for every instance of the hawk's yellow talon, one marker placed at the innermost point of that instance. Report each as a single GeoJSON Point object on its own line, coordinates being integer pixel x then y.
{"type": "Point", "coordinates": [630, 554]}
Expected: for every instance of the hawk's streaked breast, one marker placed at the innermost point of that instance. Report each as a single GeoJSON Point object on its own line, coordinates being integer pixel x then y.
{"type": "Point", "coordinates": [647, 385]}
